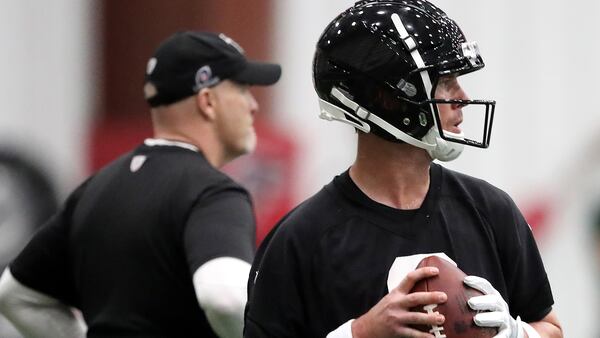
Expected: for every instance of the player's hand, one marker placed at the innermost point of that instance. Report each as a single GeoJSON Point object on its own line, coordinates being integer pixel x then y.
{"type": "Point", "coordinates": [499, 315]}
{"type": "Point", "coordinates": [391, 317]}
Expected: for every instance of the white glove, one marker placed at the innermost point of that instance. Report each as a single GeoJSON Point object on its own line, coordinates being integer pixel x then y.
{"type": "Point", "coordinates": [499, 315]}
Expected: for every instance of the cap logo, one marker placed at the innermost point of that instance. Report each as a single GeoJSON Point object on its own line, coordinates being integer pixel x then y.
{"type": "Point", "coordinates": [151, 65]}
{"type": "Point", "coordinates": [204, 78]}
{"type": "Point", "coordinates": [231, 42]}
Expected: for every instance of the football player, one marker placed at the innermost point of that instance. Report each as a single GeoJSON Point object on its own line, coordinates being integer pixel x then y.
{"type": "Point", "coordinates": [342, 263]}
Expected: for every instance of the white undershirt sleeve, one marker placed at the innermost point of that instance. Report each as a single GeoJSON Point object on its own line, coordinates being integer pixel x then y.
{"type": "Point", "coordinates": [35, 314]}
{"type": "Point", "coordinates": [220, 286]}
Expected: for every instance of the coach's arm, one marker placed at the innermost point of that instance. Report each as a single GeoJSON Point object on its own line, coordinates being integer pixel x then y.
{"type": "Point", "coordinates": [35, 314]}
{"type": "Point", "coordinates": [220, 286]}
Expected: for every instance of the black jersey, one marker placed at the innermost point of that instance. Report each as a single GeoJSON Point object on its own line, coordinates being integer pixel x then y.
{"type": "Point", "coordinates": [328, 260]}
{"type": "Point", "coordinates": [125, 245]}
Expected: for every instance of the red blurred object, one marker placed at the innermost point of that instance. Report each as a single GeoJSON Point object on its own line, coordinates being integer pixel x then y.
{"type": "Point", "coordinates": [538, 213]}
{"type": "Point", "coordinates": [113, 137]}
{"type": "Point", "coordinates": [267, 174]}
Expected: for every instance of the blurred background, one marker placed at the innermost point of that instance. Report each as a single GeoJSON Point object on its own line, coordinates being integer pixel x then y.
{"type": "Point", "coordinates": [71, 93]}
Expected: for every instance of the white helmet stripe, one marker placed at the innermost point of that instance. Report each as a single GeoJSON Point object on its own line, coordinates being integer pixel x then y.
{"type": "Point", "coordinates": [414, 53]}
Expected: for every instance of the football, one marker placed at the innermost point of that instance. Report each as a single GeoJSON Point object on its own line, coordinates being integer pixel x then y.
{"type": "Point", "coordinates": [459, 316]}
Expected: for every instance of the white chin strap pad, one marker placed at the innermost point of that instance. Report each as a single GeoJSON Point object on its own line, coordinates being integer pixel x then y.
{"type": "Point", "coordinates": [444, 150]}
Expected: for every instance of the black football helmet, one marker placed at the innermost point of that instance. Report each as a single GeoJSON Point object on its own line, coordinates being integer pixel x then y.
{"type": "Point", "coordinates": [377, 66]}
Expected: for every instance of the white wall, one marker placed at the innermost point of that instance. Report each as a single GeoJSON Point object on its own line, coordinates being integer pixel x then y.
{"type": "Point", "coordinates": [540, 67]}
{"type": "Point", "coordinates": [540, 59]}
{"type": "Point", "coordinates": [46, 83]}
{"type": "Point", "coordinates": [326, 148]}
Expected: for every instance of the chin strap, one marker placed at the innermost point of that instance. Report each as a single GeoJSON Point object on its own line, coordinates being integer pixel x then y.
{"type": "Point", "coordinates": [331, 112]}
{"type": "Point", "coordinates": [444, 150]}
{"type": "Point", "coordinates": [436, 146]}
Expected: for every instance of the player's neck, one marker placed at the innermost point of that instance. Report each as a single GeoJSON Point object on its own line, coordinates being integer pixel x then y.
{"type": "Point", "coordinates": [396, 175]}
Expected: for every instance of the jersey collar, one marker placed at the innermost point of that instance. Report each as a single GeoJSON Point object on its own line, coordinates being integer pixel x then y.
{"type": "Point", "coordinates": [151, 142]}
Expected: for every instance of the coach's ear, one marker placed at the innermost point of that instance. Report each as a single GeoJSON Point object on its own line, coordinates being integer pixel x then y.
{"type": "Point", "coordinates": [206, 101]}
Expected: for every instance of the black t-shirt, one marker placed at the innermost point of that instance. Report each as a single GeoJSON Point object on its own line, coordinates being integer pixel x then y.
{"type": "Point", "coordinates": [328, 260]}
{"type": "Point", "coordinates": [125, 245]}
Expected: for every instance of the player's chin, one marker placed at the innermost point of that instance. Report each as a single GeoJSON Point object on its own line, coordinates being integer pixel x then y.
{"type": "Point", "coordinates": [454, 129]}
{"type": "Point", "coordinates": [249, 144]}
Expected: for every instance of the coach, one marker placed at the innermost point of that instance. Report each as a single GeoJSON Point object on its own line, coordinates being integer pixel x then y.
{"type": "Point", "coordinates": [159, 242]}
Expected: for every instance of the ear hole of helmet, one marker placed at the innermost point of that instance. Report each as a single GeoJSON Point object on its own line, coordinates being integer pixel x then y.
{"type": "Point", "coordinates": [387, 103]}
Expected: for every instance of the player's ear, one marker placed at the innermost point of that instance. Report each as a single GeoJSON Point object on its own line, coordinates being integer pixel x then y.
{"type": "Point", "coordinates": [206, 101]}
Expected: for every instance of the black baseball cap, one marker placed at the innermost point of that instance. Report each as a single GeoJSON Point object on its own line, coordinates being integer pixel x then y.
{"type": "Point", "coordinates": [188, 61]}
